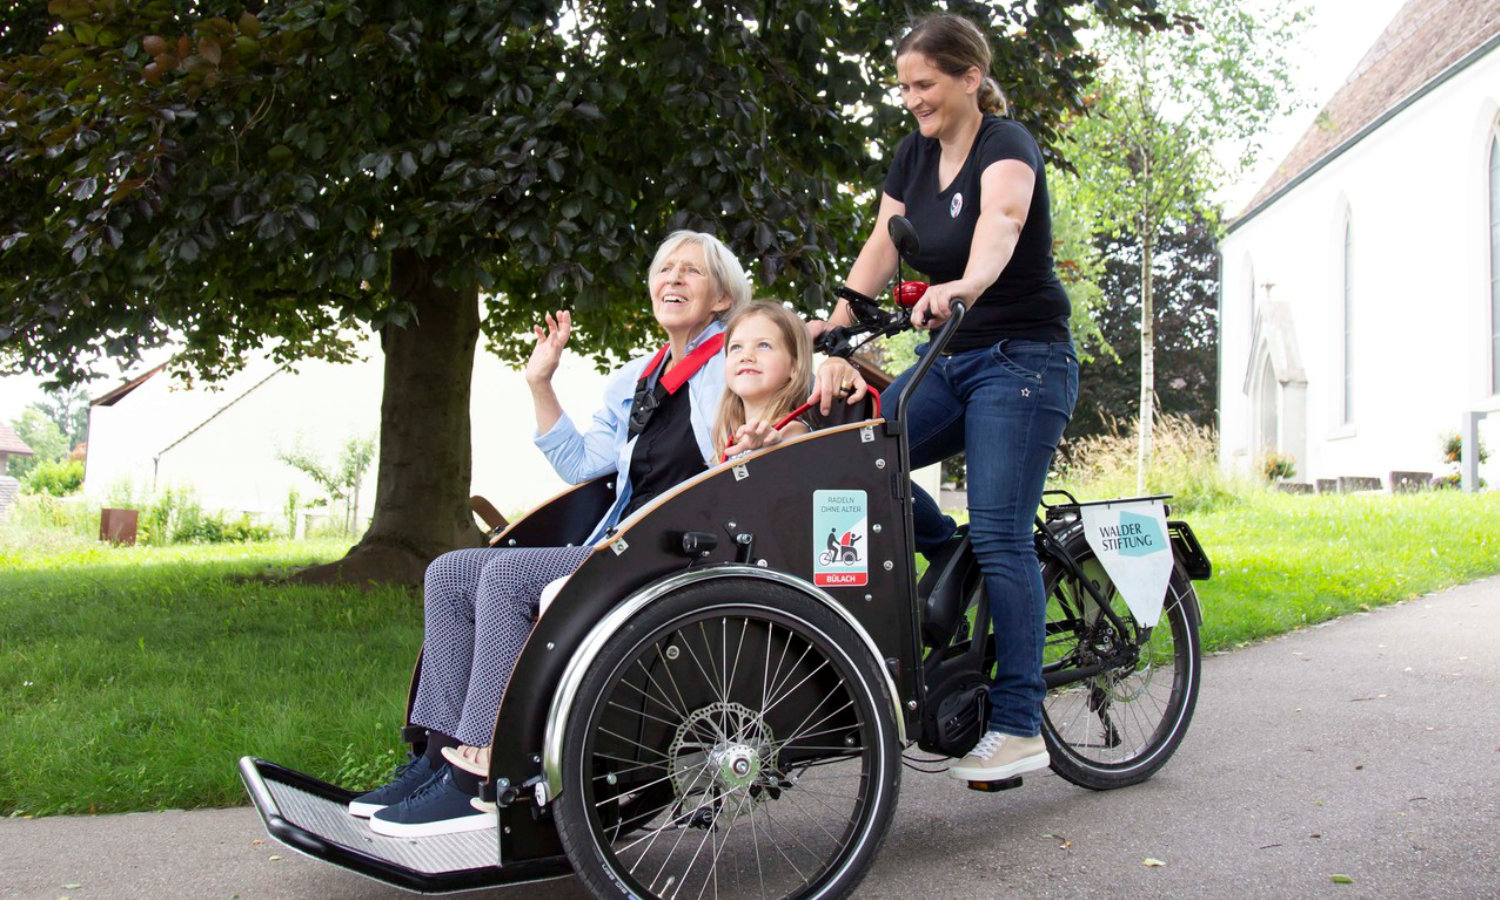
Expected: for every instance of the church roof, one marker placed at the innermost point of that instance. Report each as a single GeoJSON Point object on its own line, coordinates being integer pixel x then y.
{"type": "Point", "coordinates": [1427, 41]}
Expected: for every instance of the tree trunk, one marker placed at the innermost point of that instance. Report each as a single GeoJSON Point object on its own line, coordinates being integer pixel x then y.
{"type": "Point", "coordinates": [1148, 360]}
{"type": "Point", "coordinates": [422, 486]}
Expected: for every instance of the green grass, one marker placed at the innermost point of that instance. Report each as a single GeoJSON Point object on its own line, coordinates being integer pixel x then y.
{"type": "Point", "coordinates": [1283, 562]}
{"type": "Point", "coordinates": [134, 678]}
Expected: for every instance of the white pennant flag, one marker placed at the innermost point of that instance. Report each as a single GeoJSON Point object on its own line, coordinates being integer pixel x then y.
{"type": "Point", "coordinates": [1130, 539]}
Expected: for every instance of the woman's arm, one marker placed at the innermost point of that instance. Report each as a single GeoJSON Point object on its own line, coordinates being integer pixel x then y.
{"type": "Point", "coordinates": [1005, 189]}
{"type": "Point", "coordinates": [575, 457]}
{"type": "Point", "coordinates": [872, 270]}
{"type": "Point", "coordinates": [542, 365]}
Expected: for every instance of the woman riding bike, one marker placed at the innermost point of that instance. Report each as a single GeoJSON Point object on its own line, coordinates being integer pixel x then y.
{"type": "Point", "coordinates": [973, 185]}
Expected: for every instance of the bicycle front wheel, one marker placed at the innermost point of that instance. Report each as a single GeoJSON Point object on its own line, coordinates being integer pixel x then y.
{"type": "Point", "coordinates": [734, 739]}
{"type": "Point", "coordinates": [1119, 701]}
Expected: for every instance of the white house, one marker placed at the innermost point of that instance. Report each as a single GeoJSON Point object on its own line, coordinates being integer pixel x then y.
{"type": "Point", "coordinates": [222, 441]}
{"type": "Point", "coordinates": [1360, 307]}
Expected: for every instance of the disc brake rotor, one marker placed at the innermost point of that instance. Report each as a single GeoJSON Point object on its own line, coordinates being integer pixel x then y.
{"type": "Point", "coordinates": [719, 749]}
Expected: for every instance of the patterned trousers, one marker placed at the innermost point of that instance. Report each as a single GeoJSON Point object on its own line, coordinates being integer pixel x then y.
{"type": "Point", "coordinates": [480, 606]}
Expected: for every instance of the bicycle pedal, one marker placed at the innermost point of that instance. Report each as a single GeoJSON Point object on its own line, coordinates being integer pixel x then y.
{"type": "Point", "coordinates": [991, 787]}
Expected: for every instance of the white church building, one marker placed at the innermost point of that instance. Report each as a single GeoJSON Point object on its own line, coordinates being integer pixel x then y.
{"type": "Point", "coordinates": [1360, 292]}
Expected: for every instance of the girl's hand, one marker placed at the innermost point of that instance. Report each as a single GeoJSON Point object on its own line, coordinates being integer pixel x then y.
{"type": "Point", "coordinates": [837, 379]}
{"type": "Point", "coordinates": [549, 347]}
{"type": "Point", "coordinates": [936, 305]}
{"type": "Point", "coordinates": [751, 436]}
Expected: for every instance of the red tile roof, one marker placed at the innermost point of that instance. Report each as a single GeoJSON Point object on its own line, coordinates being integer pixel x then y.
{"type": "Point", "coordinates": [1424, 40]}
{"type": "Point", "coordinates": [12, 444]}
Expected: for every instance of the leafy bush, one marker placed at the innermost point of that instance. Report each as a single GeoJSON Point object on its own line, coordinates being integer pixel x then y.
{"type": "Point", "coordinates": [54, 478]}
{"type": "Point", "coordinates": [204, 528]}
{"type": "Point", "coordinates": [1453, 480]}
{"type": "Point", "coordinates": [35, 514]}
{"type": "Point", "coordinates": [161, 517]}
{"type": "Point", "coordinates": [176, 517]}
{"type": "Point", "coordinates": [41, 434]}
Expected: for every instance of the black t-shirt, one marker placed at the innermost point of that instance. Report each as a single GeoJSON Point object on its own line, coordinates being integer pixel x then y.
{"type": "Point", "coordinates": [1027, 300]}
{"type": "Point", "coordinates": [666, 453]}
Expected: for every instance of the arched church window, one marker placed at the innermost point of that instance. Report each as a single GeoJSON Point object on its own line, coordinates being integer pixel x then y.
{"type": "Point", "coordinates": [1495, 260]}
{"type": "Point", "coordinates": [1346, 396]}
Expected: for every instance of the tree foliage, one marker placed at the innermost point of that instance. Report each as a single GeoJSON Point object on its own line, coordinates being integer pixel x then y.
{"type": "Point", "coordinates": [235, 178]}
{"type": "Point", "coordinates": [69, 408]}
{"type": "Point", "coordinates": [1185, 270]}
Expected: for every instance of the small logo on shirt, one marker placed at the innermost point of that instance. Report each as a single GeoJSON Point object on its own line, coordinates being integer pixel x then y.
{"type": "Point", "coordinates": [956, 207]}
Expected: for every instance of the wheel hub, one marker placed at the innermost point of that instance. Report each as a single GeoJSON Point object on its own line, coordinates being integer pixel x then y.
{"type": "Point", "coordinates": [734, 765]}
{"type": "Point", "coordinates": [719, 748]}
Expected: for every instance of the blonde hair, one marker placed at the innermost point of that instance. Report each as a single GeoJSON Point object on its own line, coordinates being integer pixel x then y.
{"type": "Point", "coordinates": [725, 270]}
{"type": "Point", "coordinates": [792, 395]}
{"type": "Point", "coordinates": [956, 45]}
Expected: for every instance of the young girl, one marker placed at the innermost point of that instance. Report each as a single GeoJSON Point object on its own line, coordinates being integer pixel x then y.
{"type": "Point", "coordinates": [767, 374]}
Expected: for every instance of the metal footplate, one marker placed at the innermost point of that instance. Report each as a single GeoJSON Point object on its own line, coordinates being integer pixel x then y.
{"type": "Point", "coordinates": [312, 817]}
{"type": "Point", "coordinates": [991, 787]}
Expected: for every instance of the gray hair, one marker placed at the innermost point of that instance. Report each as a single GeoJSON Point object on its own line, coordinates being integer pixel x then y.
{"type": "Point", "coordinates": [725, 270]}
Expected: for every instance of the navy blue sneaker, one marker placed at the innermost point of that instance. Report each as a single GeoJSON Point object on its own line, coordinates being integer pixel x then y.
{"type": "Point", "coordinates": [439, 807]}
{"type": "Point", "coordinates": [409, 777]}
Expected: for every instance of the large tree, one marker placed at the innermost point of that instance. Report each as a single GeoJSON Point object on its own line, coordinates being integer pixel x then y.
{"type": "Point", "coordinates": [233, 178]}
{"type": "Point", "coordinates": [1177, 114]}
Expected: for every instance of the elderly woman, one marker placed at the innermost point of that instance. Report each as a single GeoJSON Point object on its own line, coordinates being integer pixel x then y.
{"type": "Point", "coordinates": [655, 429]}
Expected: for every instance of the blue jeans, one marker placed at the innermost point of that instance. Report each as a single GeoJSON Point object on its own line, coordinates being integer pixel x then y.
{"type": "Point", "coordinates": [1006, 407]}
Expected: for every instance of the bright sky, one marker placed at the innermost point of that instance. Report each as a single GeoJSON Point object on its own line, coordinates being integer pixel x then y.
{"type": "Point", "coordinates": [1339, 34]}
{"type": "Point", "coordinates": [1336, 39]}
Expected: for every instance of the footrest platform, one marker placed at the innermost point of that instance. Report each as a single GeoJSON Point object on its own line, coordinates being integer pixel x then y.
{"type": "Point", "coordinates": [312, 817]}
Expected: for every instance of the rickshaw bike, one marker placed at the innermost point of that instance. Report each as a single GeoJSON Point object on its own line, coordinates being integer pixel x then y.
{"type": "Point", "coordinates": [715, 705]}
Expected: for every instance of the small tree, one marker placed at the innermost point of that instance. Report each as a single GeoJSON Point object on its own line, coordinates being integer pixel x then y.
{"type": "Point", "coordinates": [69, 408]}
{"type": "Point", "coordinates": [340, 480]}
{"type": "Point", "coordinates": [1171, 108]}
{"type": "Point", "coordinates": [1185, 273]}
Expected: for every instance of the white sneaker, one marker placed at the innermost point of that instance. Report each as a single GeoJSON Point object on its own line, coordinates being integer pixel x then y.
{"type": "Point", "coordinates": [999, 755]}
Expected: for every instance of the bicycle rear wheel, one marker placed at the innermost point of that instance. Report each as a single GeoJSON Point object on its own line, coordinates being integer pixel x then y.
{"type": "Point", "coordinates": [1118, 702]}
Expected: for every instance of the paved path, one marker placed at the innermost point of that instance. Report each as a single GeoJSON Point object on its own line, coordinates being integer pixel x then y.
{"type": "Point", "coordinates": [1368, 747]}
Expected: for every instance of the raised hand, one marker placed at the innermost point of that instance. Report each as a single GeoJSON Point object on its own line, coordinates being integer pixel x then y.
{"type": "Point", "coordinates": [549, 347]}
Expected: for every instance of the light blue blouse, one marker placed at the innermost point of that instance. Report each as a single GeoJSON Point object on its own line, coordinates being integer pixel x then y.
{"type": "Point", "coordinates": [607, 444]}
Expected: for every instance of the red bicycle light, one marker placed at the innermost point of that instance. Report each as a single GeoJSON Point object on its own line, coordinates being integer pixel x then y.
{"type": "Point", "coordinates": [907, 293]}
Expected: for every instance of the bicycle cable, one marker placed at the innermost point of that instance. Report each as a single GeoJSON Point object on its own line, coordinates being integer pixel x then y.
{"type": "Point", "coordinates": [911, 763]}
